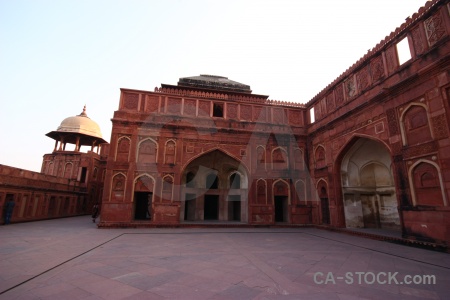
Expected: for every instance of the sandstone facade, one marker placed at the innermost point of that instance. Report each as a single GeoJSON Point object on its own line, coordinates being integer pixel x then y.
{"type": "Point", "coordinates": [371, 150]}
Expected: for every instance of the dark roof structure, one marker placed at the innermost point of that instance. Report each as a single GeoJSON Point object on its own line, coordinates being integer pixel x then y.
{"type": "Point", "coordinates": [213, 82]}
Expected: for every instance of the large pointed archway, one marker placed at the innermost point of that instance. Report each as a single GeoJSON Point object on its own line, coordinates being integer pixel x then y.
{"type": "Point", "coordinates": [368, 188]}
{"type": "Point", "coordinates": [214, 188]}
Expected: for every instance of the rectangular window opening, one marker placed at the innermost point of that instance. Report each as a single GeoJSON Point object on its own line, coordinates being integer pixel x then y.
{"type": "Point", "coordinates": [83, 176]}
{"type": "Point", "coordinates": [311, 115]}
{"type": "Point", "coordinates": [218, 110]}
{"type": "Point", "coordinates": [403, 51]}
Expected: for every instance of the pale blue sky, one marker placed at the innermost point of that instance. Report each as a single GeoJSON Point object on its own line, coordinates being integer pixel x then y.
{"type": "Point", "coordinates": [56, 56]}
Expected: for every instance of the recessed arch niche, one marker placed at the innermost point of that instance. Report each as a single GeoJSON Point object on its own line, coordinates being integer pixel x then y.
{"type": "Point", "coordinates": [214, 188]}
{"type": "Point", "coordinates": [368, 186]}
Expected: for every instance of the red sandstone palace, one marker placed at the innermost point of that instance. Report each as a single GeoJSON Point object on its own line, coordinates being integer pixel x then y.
{"type": "Point", "coordinates": [371, 150]}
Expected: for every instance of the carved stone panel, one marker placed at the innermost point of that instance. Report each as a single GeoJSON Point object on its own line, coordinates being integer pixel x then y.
{"type": "Point", "coordinates": [319, 156]}
{"type": "Point", "coordinates": [417, 129]}
{"type": "Point", "coordinates": [377, 68]}
{"type": "Point", "coordinates": [232, 111]}
{"type": "Point", "coordinates": [317, 112]}
{"type": "Point", "coordinates": [362, 78]}
{"type": "Point", "coordinates": [147, 151]}
{"type": "Point", "coordinates": [421, 150]}
{"type": "Point", "coordinates": [190, 107]}
{"type": "Point", "coordinates": [118, 187]}
{"type": "Point", "coordinates": [339, 93]}
{"type": "Point", "coordinates": [259, 114]}
{"type": "Point", "coordinates": [261, 192]}
{"type": "Point", "coordinates": [174, 105]}
{"type": "Point", "coordinates": [246, 112]}
{"type": "Point", "coordinates": [434, 29]}
{"type": "Point", "coordinates": [426, 185]}
{"type": "Point", "coordinates": [169, 157]}
{"type": "Point", "coordinates": [418, 40]}
{"type": "Point", "coordinates": [330, 102]}
{"type": "Point", "coordinates": [391, 59]}
{"type": "Point", "coordinates": [295, 117]}
{"type": "Point", "coordinates": [392, 122]}
{"type": "Point", "coordinates": [152, 104]}
{"type": "Point", "coordinates": [323, 106]}
{"type": "Point", "coordinates": [440, 127]}
{"type": "Point", "coordinates": [123, 149]}
{"type": "Point", "coordinates": [204, 108]}
{"type": "Point", "coordinates": [278, 115]}
{"type": "Point", "coordinates": [350, 88]}
{"type": "Point", "coordinates": [130, 101]}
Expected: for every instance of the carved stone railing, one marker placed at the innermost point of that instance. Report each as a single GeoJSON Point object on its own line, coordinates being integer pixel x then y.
{"type": "Point", "coordinates": [284, 103]}
{"type": "Point", "coordinates": [222, 96]}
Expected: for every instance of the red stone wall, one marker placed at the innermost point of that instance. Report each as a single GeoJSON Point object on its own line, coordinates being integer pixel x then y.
{"type": "Point", "coordinates": [38, 196]}
{"type": "Point", "coordinates": [88, 169]}
{"type": "Point", "coordinates": [165, 132]}
{"type": "Point", "coordinates": [405, 108]}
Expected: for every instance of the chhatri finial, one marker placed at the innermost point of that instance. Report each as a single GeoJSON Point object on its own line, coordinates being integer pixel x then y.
{"type": "Point", "coordinates": [83, 114]}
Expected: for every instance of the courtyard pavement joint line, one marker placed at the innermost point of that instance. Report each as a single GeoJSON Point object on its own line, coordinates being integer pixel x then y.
{"type": "Point", "coordinates": [58, 265]}
{"type": "Point", "coordinates": [379, 251]}
{"type": "Point", "coordinates": [326, 238]}
{"type": "Point", "coordinates": [282, 284]}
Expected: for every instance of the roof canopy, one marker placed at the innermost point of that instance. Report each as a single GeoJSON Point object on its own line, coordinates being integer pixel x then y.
{"type": "Point", "coordinates": [80, 128]}
{"type": "Point", "coordinates": [213, 82]}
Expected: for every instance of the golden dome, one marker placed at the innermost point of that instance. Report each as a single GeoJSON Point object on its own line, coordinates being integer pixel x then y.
{"type": "Point", "coordinates": [80, 124]}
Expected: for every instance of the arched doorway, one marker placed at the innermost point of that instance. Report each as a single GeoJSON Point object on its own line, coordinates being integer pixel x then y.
{"type": "Point", "coordinates": [324, 202]}
{"type": "Point", "coordinates": [281, 200]}
{"type": "Point", "coordinates": [368, 187]}
{"type": "Point", "coordinates": [215, 188]}
{"type": "Point", "coordinates": [143, 195]}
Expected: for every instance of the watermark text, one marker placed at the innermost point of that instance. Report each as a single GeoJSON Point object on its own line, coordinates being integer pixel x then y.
{"type": "Point", "coordinates": [373, 278]}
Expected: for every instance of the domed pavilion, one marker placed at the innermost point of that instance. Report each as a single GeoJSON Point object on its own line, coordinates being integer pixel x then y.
{"type": "Point", "coordinates": [79, 130]}
{"type": "Point", "coordinates": [85, 169]}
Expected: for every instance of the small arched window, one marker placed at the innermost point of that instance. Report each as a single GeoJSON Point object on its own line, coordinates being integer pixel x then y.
{"type": "Point", "coordinates": [235, 181]}
{"type": "Point", "coordinates": [212, 182]}
{"type": "Point", "coordinates": [190, 180]}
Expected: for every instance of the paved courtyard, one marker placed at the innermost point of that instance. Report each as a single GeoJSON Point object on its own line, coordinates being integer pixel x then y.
{"type": "Point", "coordinates": [72, 259]}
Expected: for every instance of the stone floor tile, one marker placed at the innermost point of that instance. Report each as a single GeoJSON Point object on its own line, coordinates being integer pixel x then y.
{"type": "Point", "coordinates": [152, 271]}
{"type": "Point", "coordinates": [175, 291]}
{"type": "Point", "coordinates": [52, 289]}
{"type": "Point", "coordinates": [146, 295]}
{"type": "Point", "coordinates": [110, 289]}
{"type": "Point", "coordinates": [209, 273]}
{"type": "Point", "coordinates": [239, 291]}
{"type": "Point", "coordinates": [107, 271]}
{"type": "Point", "coordinates": [137, 280]}
{"type": "Point", "coordinates": [189, 280]}
{"type": "Point", "coordinates": [74, 293]}
{"type": "Point", "coordinates": [350, 297]}
{"type": "Point", "coordinates": [214, 286]}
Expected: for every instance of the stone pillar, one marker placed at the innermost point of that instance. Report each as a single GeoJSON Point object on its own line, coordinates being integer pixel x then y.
{"type": "Point", "coordinates": [61, 144]}
{"type": "Point", "coordinates": [77, 145]}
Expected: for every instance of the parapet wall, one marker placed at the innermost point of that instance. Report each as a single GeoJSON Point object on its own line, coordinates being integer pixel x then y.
{"type": "Point", "coordinates": [424, 31]}
{"type": "Point", "coordinates": [38, 196]}
{"type": "Point", "coordinates": [196, 104]}
{"type": "Point", "coordinates": [11, 175]}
